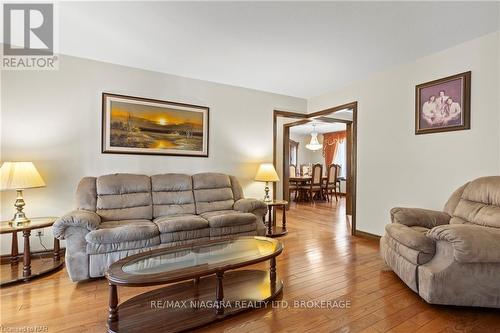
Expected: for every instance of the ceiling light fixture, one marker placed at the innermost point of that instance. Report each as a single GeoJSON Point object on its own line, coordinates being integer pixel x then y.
{"type": "Point", "coordinates": [314, 143]}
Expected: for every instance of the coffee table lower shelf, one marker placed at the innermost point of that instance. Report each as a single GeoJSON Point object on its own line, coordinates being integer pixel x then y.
{"type": "Point", "coordinates": [190, 304]}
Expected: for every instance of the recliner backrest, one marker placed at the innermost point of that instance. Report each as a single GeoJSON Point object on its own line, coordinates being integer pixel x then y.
{"type": "Point", "coordinates": [128, 196]}
{"type": "Point", "coordinates": [212, 191]}
{"type": "Point", "coordinates": [172, 194]}
{"type": "Point", "coordinates": [477, 202]}
{"type": "Point", "coordinates": [124, 197]}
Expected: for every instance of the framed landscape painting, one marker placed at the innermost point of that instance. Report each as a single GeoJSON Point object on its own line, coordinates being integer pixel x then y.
{"type": "Point", "coordinates": [443, 105]}
{"type": "Point", "coordinates": [134, 125]}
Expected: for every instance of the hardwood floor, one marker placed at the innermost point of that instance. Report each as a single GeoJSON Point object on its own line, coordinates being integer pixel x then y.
{"type": "Point", "coordinates": [321, 262]}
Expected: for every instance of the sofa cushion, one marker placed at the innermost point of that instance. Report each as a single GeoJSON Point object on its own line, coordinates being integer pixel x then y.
{"type": "Point", "coordinates": [212, 192]}
{"type": "Point", "coordinates": [416, 257]}
{"type": "Point", "coordinates": [172, 194]}
{"type": "Point", "coordinates": [234, 231]}
{"type": "Point", "coordinates": [180, 223]}
{"type": "Point", "coordinates": [122, 231]}
{"type": "Point", "coordinates": [228, 218]}
{"type": "Point", "coordinates": [185, 236]}
{"type": "Point", "coordinates": [403, 267]}
{"type": "Point", "coordinates": [124, 197]}
{"type": "Point", "coordinates": [411, 237]}
{"type": "Point", "coordinates": [122, 235]}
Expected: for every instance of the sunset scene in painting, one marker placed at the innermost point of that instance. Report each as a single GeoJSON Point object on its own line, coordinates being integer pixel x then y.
{"type": "Point", "coordinates": [146, 126]}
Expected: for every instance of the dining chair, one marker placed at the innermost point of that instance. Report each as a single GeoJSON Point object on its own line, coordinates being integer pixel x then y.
{"type": "Point", "coordinates": [330, 184]}
{"type": "Point", "coordinates": [292, 185]}
{"type": "Point", "coordinates": [314, 186]}
{"type": "Point", "coordinates": [337, 180]}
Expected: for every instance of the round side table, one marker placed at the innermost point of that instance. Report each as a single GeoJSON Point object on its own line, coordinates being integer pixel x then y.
{"type": "Point", "coordinates": [28, 272]}
{"type": "Point", "coordinates": [272, 229]}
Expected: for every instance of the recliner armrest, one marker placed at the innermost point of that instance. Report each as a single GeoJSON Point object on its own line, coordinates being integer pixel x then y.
{"type": "Point", "coordinates": [419, 217]}
{"type": "Point", "coordinates": [471, 243]}
{"type": "Point", "coordinates": [257, 207]}
{"type": "Point", "coordinates": [78, 218]}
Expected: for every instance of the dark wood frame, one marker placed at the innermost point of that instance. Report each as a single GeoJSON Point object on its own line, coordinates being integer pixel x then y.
{"type": "Point", "coordinates": [296, 145]}
{"type": "Point", "coordinates": [103, 127]}
{"type": "Point", "coordinates": [351, 132]}
{"type": "Point", "coordinates": [466, 88]}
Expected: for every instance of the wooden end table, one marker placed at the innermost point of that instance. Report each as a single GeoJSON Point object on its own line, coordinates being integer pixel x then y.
{"type": "Point", "coordinates": [272, 229]}
{"type": "Point", "coordinates": [28, 272]}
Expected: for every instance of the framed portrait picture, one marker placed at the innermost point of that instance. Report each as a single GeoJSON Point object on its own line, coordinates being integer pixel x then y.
{"type": "Point", "coordinates": [135, 125]}
{"type": "Point", "coordinates": [443, 105]}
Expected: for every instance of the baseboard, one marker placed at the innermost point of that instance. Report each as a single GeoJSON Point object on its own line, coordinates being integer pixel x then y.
{"type": "Point", "coordinates": [364, 234]}
{"type": "Point", "coordinates": [5, 258]}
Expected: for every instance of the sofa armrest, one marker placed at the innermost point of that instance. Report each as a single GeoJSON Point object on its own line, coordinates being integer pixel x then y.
{"type": "Point", "coordinates": [257, 207]}
{"type": "Point", "coordinates": [419, 217]}
{"type": "Point", "coordinates": [471, 243]}
{"type": "Point", "coordinates": [78, 218]}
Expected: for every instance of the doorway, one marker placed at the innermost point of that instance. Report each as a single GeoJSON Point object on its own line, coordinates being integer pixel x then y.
{"type": "Point", "coordinates": [283, 121]}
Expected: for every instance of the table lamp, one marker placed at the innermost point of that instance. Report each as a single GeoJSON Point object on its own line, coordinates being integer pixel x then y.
{"type": "Point", "coordinates": [19, 176]}
{"type": "Point", "coordinates": [267, 173]}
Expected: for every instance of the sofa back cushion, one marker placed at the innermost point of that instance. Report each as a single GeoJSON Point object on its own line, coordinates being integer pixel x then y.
{"type": "Point", "coordinates": [124, 197]}
{"type": "Point", "coordinates": [237, 189]}
{"type": "Point", "coordinates": [86, 194]}
{"type": "Point", "coordinates": [212, 191]}
{"type": "Point", "coordinates": [172, 194]}
{"type": "Point", "coordinates": [479, 203]}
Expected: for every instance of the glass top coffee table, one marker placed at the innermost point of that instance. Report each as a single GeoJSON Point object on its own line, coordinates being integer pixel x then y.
{"type": "Point", "coordinates": [205, 281]}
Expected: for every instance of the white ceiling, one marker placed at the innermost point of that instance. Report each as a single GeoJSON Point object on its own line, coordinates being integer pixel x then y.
{"type": "Point", "coordinates": [345, 114]}
{"type": "Point", "coordinates": [306, 129]}
{"type": "Point", "coordinates": [295, 48]}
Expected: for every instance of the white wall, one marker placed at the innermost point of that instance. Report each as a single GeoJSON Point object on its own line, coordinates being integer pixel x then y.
{"type": "Point", "coordinates": [398, 168]}
{"type": "Point", "coordinates": [53, 118]}
{"type": "Point", "coordinates": [306, 155]}
{"type": "Point", "coordinates": [498, 84]}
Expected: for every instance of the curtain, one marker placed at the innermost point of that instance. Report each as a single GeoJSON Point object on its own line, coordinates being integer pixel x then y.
{"type": "Point", "coordinates": [330, 145]}
{"type": "Point", "coordinates": [340, 158]}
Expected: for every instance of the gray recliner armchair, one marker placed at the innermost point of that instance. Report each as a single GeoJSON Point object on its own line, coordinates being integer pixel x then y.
{"type": "Point", "coordinates": [450, 257]}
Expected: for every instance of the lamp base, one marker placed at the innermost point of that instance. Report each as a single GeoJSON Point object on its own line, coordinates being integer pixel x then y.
{"type": "Point", "coordinates": [19, 218]}
{"type": "Point", "coordinates": [266, 197]}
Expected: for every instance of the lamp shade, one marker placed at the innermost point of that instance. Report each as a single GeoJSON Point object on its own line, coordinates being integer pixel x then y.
{"type": "Point", "coordinates": [267, 173]}
{"type": "Point", "coordinates": [19, 175]}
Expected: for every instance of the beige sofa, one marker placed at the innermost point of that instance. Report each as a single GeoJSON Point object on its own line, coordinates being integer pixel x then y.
{"type": "Point", "coordinates": [122, 214]}
{"type": "Point", "coordinates": [450, 257]}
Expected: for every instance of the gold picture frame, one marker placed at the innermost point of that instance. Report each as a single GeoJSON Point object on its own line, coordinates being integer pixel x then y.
{"type": "Point", "coordinates": [136, 125]}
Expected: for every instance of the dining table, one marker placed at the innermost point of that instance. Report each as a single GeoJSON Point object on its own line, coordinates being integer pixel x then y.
{"type": "Point", "coordinates": [304, 179]}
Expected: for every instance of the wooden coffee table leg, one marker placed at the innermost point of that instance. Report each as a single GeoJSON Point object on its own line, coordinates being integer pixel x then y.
{"type": "Point", "coordinates": [219, 294]}
{"type": "Point", "coordinates": [272, 274]}
{"type": "Point", "coordinates": [284, 218]}
{"type": "Point", "coordinates": [14, 253]}
{"type": "Point", "coordinates": [26, 254]}
{"type": "Point", "coordinates": [113, 303]}
{"type": "Point", "coordinates": [57, 255]}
